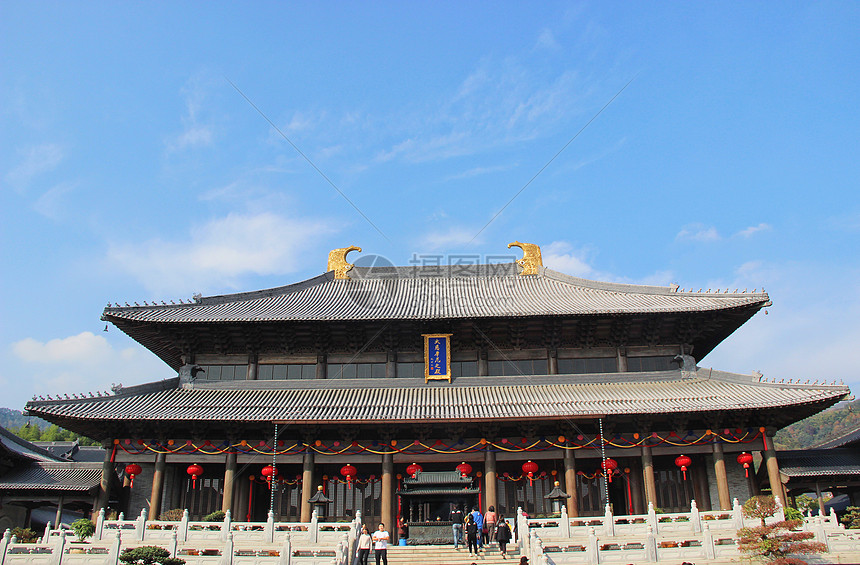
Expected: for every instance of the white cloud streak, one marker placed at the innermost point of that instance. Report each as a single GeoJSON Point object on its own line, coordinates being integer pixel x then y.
{"type": "Point", "coordinates": [698, 232]}
{"type": "Point", "coordinates": [36, 160]}
{"type": "Point", "coordinates": [752, 230]}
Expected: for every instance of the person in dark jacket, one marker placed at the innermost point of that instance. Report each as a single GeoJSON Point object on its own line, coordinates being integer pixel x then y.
{"type": "Point", "coordinates": [503, 536]}
{"type": "Point", "coordinates": [472, 534]}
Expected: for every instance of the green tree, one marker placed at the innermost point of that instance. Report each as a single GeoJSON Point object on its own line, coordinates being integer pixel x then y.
{"type": "Point", "coordinates": [83, 528]}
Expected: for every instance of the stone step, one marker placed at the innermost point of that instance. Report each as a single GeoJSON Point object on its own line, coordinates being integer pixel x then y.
{"type": "Point", "coordinates": [441, 555]}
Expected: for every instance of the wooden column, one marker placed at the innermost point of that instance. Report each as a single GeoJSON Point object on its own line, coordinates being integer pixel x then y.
{"type": "Point", "coordinates": [552, 356]}
{"type": "Point", "coordinates": [570, 483]}
{"type": "Point", "coordinates": [483, 365]}
{"type": "Point", "coordinates": [391, 365]}
{"type": "Point", "coordinates": [773, 468]}
{"type": "Point", "coordinates": [621, 354]}
{"type": "Point", "coordinates": [722, 478]}
{"type": "Point", "coordinates": [253, 359]}
{"type": "Point", "coordinates": [321, 373]}
{"type": "Point", "coordinates": [700, 475]}
{"type": "Point", "coordinates": [157, 486]}
{"type": "Point", "coordinates": [107, 477]}
{"type": "Point", "coordinates": [636, 489]}
{"type": "Point", "coordinates": [388, 492]}
{"type": "Point", "coordinates": [308, 489]}
{"type": "Point", "coordinates": [648, 475]}
{"type": "Point", "coordinates": [59, 512]}
{"type": "Point", "coordinates": [229, 483]}
{"type": "Point", "coordinates": [490, 485]}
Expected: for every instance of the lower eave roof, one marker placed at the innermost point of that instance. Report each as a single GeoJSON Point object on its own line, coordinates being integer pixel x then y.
{"type": "Point", "coordinates": [53, 476]}
{"type": "Point", "coordinates": [464, 400]}
{"type": "Point", "coordinates": [841, 462]}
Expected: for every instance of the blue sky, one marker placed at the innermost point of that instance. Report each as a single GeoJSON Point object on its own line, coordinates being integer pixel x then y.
{"type": "Point", "coordinates": [131, 169]}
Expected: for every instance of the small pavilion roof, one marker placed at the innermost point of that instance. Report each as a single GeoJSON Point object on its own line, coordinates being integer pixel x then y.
{"type": "Point", "coordinates": [466, 399]}
{"type": "Point", "coordinates": [801, 463]}
{"type": "Point", "coordinates": [49, 475]}
{"type": "Point", "coordinates": [447, 292]}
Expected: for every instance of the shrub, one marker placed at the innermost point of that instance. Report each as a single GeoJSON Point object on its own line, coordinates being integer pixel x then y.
{"type": "Point", "coordinates": [792, 513]}
{"type": "Point", "coordinates": [217, 516]}
{"type": "Point", "coordinates": [760, 507]}
{"type": "Point", "coordinates": [173, 515]}
{"type": "Point", "coordinates": [25, 535]}
{"type": "Point", "coordinates": [851, 518]}
{"type": "Point", "coordinates": [777, 542]}
{"type": "Point", "coordinates": [149, 555]}
{"type": "Point", "coordinates": [83, 528]}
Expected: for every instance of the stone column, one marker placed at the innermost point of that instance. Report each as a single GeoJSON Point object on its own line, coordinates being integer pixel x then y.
{"type": "Point", "coordinates": [490, 479]}
{"type": "Point", "coordinates": [648, 474]}
{"type": "Point", "coordinates": [772, 468]}
{"type": "Point", "coordinates": [157, 486]}
{"type": "Point", "coordinates": [722, 478]}
{"type": "Point", "coordinates": [107, 477]}
{"type": "Point", "coordinates": [308, 489]}
{"type": "Point", "coordinates": [570, 483]}
{"type": "Point", "coordinates": [229, 482]}
{"type": "Point", "coordinates": [388, 493]}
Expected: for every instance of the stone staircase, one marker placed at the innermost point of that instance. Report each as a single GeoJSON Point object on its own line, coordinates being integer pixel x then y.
{"type": "Point", "coordinates": [447, 555]}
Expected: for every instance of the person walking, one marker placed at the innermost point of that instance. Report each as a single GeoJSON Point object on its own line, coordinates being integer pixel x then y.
{"type": "Point", "coordinates": [490, 525]}
{"type": "Point", "coordinates": [472, 535]}
{"type": "Point", "coordinates": [503, 536]}
{"type": "Point", "coordinates": [380, 544]}
{"type": "Point", "coordinates": [479, 523]}
{"type": "Point", "coordinates": [363, 550]}
{"type": "Point", "coordinates": [457, 525]}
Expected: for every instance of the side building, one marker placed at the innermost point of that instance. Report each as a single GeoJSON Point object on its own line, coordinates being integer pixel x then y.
{"type": "Point", "coordinates": [514, 375]}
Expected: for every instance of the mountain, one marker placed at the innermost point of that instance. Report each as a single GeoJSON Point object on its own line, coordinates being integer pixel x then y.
{"type": "Point", "coordinates": [831, 424]}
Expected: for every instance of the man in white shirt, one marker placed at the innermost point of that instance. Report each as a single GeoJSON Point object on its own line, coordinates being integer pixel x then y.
{"type": "Point", "coordinates": [380, 544]}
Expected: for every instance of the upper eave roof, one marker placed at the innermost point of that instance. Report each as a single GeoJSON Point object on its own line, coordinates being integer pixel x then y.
{"type": "Point", "coordinates": [472, 399]}
{"type": "Point", "coordinates": [478, 291]}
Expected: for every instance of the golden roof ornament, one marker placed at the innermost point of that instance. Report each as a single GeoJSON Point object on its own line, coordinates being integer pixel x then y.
{"type": "Point", "coordinates": [531, 261]}
{"type": "Point", "coordinates": [337, 261]}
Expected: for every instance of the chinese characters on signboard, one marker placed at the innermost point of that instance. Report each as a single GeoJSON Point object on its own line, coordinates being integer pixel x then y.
{"type": "Point", "coordinates": [437, 357]}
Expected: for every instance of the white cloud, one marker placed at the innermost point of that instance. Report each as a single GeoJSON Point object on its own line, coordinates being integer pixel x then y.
{"type": "Point", "coordinates": [698, 232]}
{"type": "Point", "coordinates": [561, 256]}
{"type": "Point", "coordinates": [477, 171]}
{"type": "Point", "coordinates": [220, 252]}
{"type": "Point", "coordinates": [195, 133]}
{"type": "Point", "coordinates": [83, 363]}
{"type": "Point", "coordinates": [52, 203]}
{"type": "Point", "coordinates": [752, 230]}
{"type": "Point", "coordinates": [35, 161]}
{"type": "Point", "coordinates": [546, 40]}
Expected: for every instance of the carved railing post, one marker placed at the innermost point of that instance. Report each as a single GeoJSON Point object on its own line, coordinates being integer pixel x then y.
{"type": "Point", "coordinates": [113, 554]}
{"type": "Point", "coordinates": [737, 515]}
{"type": "Point", "coordinates": [183, 526]}
{"type": "Point", "coordinates": [652, 517]}
{"type": "Point", "coordinates": [592, 549]}
{"type": "Point", "coordinates": [695, 517]}
{"type": "Point", "coordinates": [140, 525]}
{"type": "Point", "coordinates": [270, 527]}
{"type": "Point", "coordinates": [228, 524]}
{"type": "Point", "coordinates": [286, 551]}
{"type": "Point", "coordinates": [651, 545]}
{"type": "Point", "coordinates": [227, 553]}
{"type": "Point", "coordinates": [58, 549]}
{"type": "Point", "coordinates": [174, 542]}
{"type": "Point", "coordinates": [4, 544]}
{"type": "Point", "coordinates": [565, 522]}
{"type": "Point", "coordinates": [708, 542]}
{"type": "Point", "coordinates": [47, 536]}
{"type": "Point", "coordinates": [100, 524]}
{"type": "Point", "coordinates": [608, 522]}
{"type": "Point", "coordinates": [314, 530]}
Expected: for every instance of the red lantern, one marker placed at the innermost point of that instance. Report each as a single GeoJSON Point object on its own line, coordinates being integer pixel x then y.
{"type": "Point", "coordinates": [195, 471]}
{"type": "Point", "coordinates": [349, 472]}
{"type": "Point", "coordinates": [270, 473]}
{"type": "Point", "coordinates": [683, 462]}
{"type": "Point", "coordinates": [609, 465]}
{"type": "Point", "coordinates": [465, 469]}
{"type": "Point", "coordinates": [414, 469]}
{"type": "Point", "coordinates": [746, 460]}
{"type": "Point", "coordinates": [131, 470]}
{"type": "Point", "coordinates": [530, 468]}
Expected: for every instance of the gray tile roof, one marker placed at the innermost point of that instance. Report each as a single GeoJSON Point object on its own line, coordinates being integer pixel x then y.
{"type": "Point", "coordinates": [43, 475]}
{"type": "Point", "coordinates": [466, 399]}
{"type": "Point", "coordinates": [24, 448]}
{"type": "Point", "coordinates": [820, 462]}
{"type": "Point", "coordinates": [851, 438]}
{"type": "Point", "coordinates": [479, 291]}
